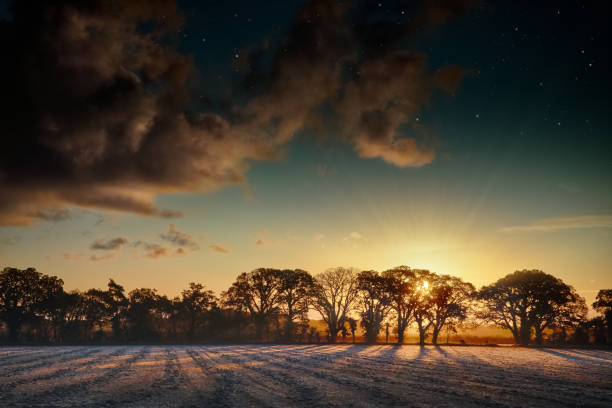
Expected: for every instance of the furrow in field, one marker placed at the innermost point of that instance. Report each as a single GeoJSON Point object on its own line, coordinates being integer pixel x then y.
{"type": "Point", "coordinates": [293, 388]}
{"type": "Point", "coordinates": [31, 362]}
{"type": "Point", "coordinates": [66, 381]}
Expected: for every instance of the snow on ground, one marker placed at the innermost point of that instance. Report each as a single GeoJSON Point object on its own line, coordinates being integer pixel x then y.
{"type": "Point", "coordinates": [304, 376]}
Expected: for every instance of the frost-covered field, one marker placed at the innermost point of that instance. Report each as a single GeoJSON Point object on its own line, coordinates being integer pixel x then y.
{"type": "Point", "coordinates": [303, 375]}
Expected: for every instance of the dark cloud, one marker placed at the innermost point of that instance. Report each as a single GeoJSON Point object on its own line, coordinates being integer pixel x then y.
{"type": "Point", "coordinates": [109, 245]}
{"type": "Point", "coordinates": [179, 238]}
{"type": "Point", "coordinates": [389, 92]}
{"type": "Point", "coordinates": [95, 102]}
{"type": "Point", "coordinates": [94, 112]}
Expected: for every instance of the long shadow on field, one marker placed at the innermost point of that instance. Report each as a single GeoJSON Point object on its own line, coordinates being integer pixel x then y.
{"type": "Point", "coordinates": [423, 353]}
{"type": "Point", "coordinates": [584, 359]}
{"type": "Point", "coordinates": [391, 352]}
{"type": "Point", "coordinates": [594, 354]}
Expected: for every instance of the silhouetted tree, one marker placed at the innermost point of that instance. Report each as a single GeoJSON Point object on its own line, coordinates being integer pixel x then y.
{"type": "Point", "coordinates": [375, 301]}
{"type": "Point", "coordinates": [603, 305]}
{"type": "Point", "coordinates": [259, 293]}
{"type": "Point", "coordinates": [296, 291]}
{"type": "Point", "coordinates": [64, 311]}
{"type": "Point", "coordinates": [23, 294]}
{"type": "Point", "coordinates": [193, 308]}
{"type": "Point", "coordinates": [422, 312]}
{"type": "Point", "coordinates": [562, 308]}
{"type": "Point", "coordinates": [451, 300]}
{"type": "Point", "coordinates": [352, 326]}
{"type": "Point", "coordinates": [117, 308]}
{"type": "Point", "coordinates": [530, 298]}
{"type": "Point", "coordinates": [335, 294]}
{"type": "Point", "coordinates": [403, 297]}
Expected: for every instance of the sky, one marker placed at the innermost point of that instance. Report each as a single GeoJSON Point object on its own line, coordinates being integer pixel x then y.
{"type": "Point", "coordinates": [163, 143]}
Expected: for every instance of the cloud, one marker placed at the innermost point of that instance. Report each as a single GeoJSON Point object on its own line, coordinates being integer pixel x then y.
{"type": "Point", "coordinates": [155, 251]}
{"type": "Point", "coordinates": [104, 257]}
{"type": "Point", "coordinates": [318, 237]}
{"type": "Point", "coordinates": [179, 238]}
{"type": "Point", "coordinates": [354, 237]}
{"type": "Point", "coordinates": [53, 214]}
{"type": "Point", "coordinates": [218, 248]}
{"type": "Point", "coordinates": [114, 244]}
{"type": "Point", "coordinates": [562, 223]}
{"type": "Point", "coordinates": [264, 238]}
{"type": "Point", "coordinates": [98, 111]}
{"type": "Point", "coordinates": [95, 109]}
{"type": "Point", "coordinates": [73, 256]}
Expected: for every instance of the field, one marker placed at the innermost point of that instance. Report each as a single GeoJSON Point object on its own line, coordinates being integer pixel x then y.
{"type": "Point", "coordinates": [304, 376]}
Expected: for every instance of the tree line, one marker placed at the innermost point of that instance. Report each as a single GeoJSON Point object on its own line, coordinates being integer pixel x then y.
{"type": "Point", "coordinates": [273, 305]}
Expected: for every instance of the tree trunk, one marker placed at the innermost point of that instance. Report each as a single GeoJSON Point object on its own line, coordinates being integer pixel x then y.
{"type": "Point", "coordinates": [13, 331]}
{"type": "Point", "coordinates": [421, 335]}
{"type": "Point", "coordinates": [289, 330]}
{"type": "Point", "coordinates": [371, 335]}
{"type": "Point", "coordinates": [515, 334]}
{"type": "Point", "coordinates": [434, 336]}
{"type": "Point", "coordinates": [333, 334]}
{"type": "Point", "coordinates": [401, 328]}
{"type": "Point", "coordinates": [525, 334]}
{"type": "Point", "coordinates": [538, 335]}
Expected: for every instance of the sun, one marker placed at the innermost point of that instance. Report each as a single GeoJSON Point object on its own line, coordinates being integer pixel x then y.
{"type": "Point", "coordinates": [423, 286]}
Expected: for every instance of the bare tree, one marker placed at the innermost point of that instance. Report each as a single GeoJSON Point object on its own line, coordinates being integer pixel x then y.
{"type": "Point", "coordinates": [335, 295]}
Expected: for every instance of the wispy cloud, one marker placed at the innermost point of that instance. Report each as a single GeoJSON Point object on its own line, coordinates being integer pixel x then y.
{"type": "Point", "coordinates": [562, 223]}
{"type": "Point", "coordinates": [262, 238]}
{"type": "Point", "coordinates": [155, 251]}
{"type": "Point", "coordinates": [219, 248]}
{"type": "Point", "coordinates": [73, 256]}
{"type": "Point", "coordinates": [179, 238]}
{"type": "Point", "coordinates": [110, 245]}
{"type": "Point", "coordinates": [103, 257]}
{"type": "Point", "coordinates": [354, 236]}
